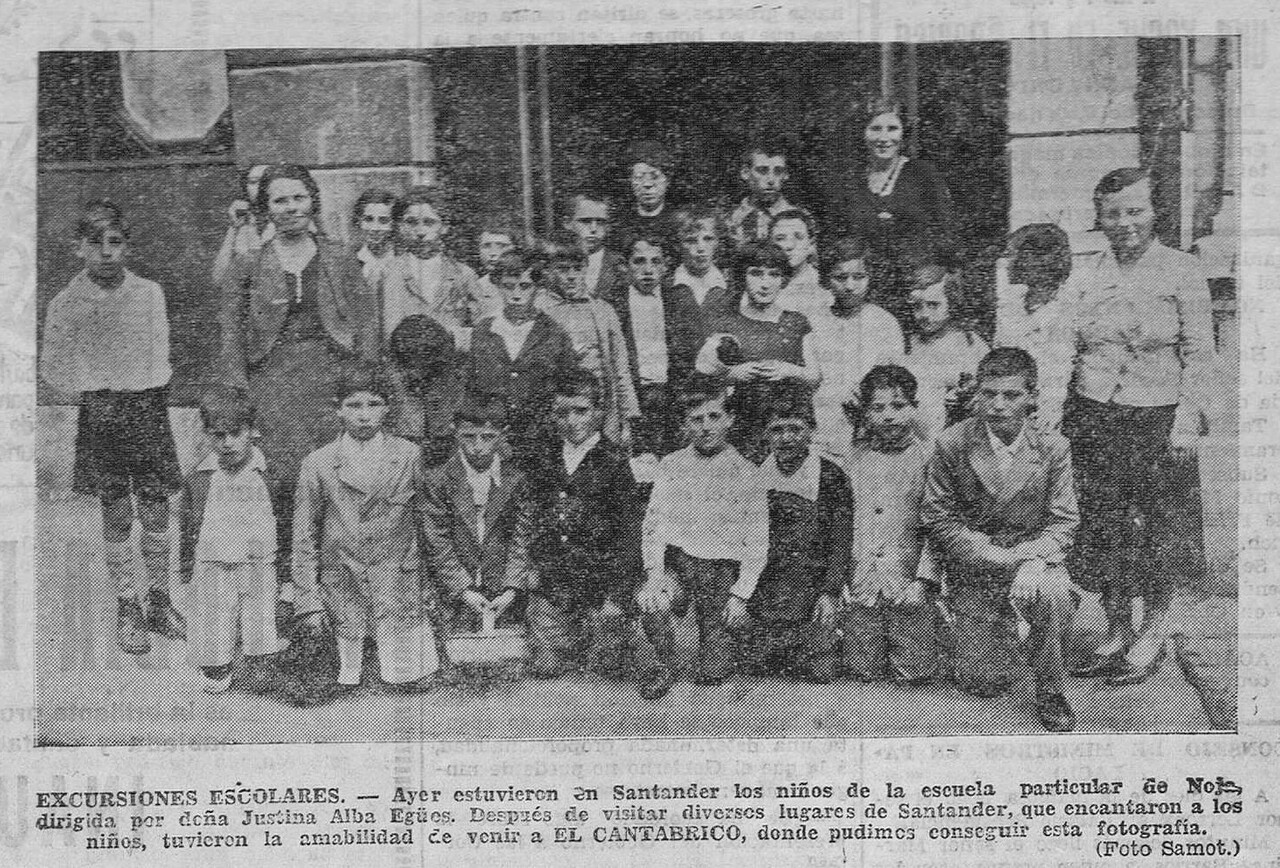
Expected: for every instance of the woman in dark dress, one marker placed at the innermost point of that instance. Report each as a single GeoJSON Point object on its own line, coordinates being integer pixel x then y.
{"type": "Point", "coordinates": [900, 206]}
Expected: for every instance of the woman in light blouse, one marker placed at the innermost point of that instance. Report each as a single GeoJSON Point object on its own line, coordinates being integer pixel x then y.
{"type": "Point", "coordinates": [1144, 354]}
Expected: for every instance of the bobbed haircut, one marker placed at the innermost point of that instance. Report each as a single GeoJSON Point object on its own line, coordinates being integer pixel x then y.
{"type": "Point", "coordinates": [374, 196]}
{"type": "Point", "coordinates": [226, 408]}
{"type": "Point", "coordinates": [286, 172]}
{"type": "Point", "coordinates": [1117, 180]}
{"type": "Point", "coordinates": [761, 253]}
{"type": "Point", "coordinates": [888, 377]}
{"type": "Point", "coordinates": [925, 276]}
{"type": "Point", "coordinates": [1009, 362]}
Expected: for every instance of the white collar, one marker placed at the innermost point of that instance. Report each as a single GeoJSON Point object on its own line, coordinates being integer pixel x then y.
{"type": "Point", "coordinates": [494, 471]}
{"type": "Point", "coordinates": [257, 461]}
{"type": "Point", "coordinates": [999, 447]}
{"type": "Point", "coordinates": [714, 278]}
{"type": "Point", "coordinates": [573, 455]}
{"type": "Point", "coordinates": [365, 255]}
{"type": "Point", "coordinates": [803, 483]}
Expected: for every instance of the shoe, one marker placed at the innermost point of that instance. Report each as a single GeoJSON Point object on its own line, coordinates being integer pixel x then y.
{"type": "Point", "coordinates": [1055, 713]}
{"type": "Point", "coordinates": [217, 679]}
{"type": "Point", "coordinates": [162, 618]}
{"type": "Point", "coordinates": [1098, 665]}
{"type": "Point", "coordinates": [131, 630]}
{"type": "Point", "coordinates": [983, 689]}
{"type": "Point", "coordinates": [1130, 674]}
{"type": "Point", "coordinates": [656, 682]}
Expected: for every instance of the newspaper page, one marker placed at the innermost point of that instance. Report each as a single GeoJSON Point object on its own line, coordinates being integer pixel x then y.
{"type": "Point", "coordinates": [557, 433]}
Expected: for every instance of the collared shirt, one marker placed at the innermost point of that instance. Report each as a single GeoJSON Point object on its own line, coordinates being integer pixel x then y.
{"type": "Point", "coordinates": [711, 508]}
{"type": "Point", "coordinates": [1145, 334]}
{"type": "Point", "coordinates": [648, 325]}
{"type": "Point", "coordinates": [847, 347]}
{"type": "Point", "coordinates": [699, 286]}
{"type": "Point", "coordinates": [513, 336]}
{"type": "Point", "coordinates": [414, 289]}
{"type": "Point", "coordinates": [482, 483]}
{"type": "Point", "coordinates": [97, 338]}
{"type": "Point", "coordinates": [374, 266]}
{"type": "Point", "coordinates": [573, 455]}
{"type": "Point", "coordinates": [803, 482]}
{"type": "Point", "coordinates": [1005, 452]}
{"type": "Point", "coordinates": [239, 524]}
{"type": "Point", "coordinates": [591, 273]}
{"type": "Point", "coordinates": [750, 222]}
{"type": "Point", "coordinates": [578, 317]}
{"type": "Point", "coordinates": [888, 485]}
{"type": "Point", "coordinates": [362, 458]}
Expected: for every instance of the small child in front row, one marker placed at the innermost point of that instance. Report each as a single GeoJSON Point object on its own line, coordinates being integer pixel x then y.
{"type": "Point", "coordinates": [355, 546]}
{"type": "Point", "coordinates": [889, 623]}
{"type": "Point", "coordinates": [228, 544]}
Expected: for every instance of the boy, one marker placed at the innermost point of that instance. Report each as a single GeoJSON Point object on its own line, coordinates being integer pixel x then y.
{"type": "Point", "coordinates": [375, 228]}
{"type": "Point", "coordinates": [705, 537]}
{"type": "Point", "coordinates": [850, 336]}
{"type": "Point", "coordinates": [592, 324]}
{"type": "Point", "coordinates": [793, 607]}
{"type": "Point", "coordinates": [587, 217]}
{"type": "Point", "coordinates": [653, 331]}
{"type": "Point", "coordinates": [576, 550]}
{"type": "Point", "coordinates": [355, 545]}
{"type": "Point", "coordinates": [889, 624]}
{"type": "Point", "coordinates": [649, 167]}
{"type": "Point", "coordinates": [518, 356]}
{"type": "Point", "coordinates": [470, 505]}
{"type": "Point", "coordinates": [106, 340]}
{"type": "Point", "coordinates": [497, 237]}
{"type": "Point", "coordinates": [1000, 510]}
{"type": "Point", "coordinates": [765, 172]}
{"type": "Point", "coordinates": [227, 549]}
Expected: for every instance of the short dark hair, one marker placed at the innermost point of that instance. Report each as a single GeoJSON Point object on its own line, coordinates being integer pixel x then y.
{"type": "Point", "coordinates": [793, 402]}
{"type": "Point", "coordinates": [361, 377]}
{"type": "Point", "coordinates": [514, 263]}
{"type": "Point", "coordinates": [559, 245]}
{"type": "Point", "coordinates": [419, 194]}
{"type": "Point", "coordinates": [1047, 240]}
{"type": "Point", "coordinates": [652, 153]}
{"type": "Point", "coordinates": [1009, 362]}
{"type": "Point", "coordinates": [481, 410]}
{"type": "Point", "coordinates": [761, 253]}
{"type": "Point", "coordinates": [578, 383]}
{"type": "Point", "coordinates": [687, 219]}
{"type": "Point", "coordinates": [99, 215]}
{"type": "Point", "coordinates": [767, 145]}
{"type": "Point", "coordinates": [841, 250]}
{"type": "Point", "coordinates": [226, 407]}
{"type": "Point", "coordinates": [1117, 180]}
{"type": "Point", "coordinates": [286, 172]}
{"type": "Point", "coordinates": [374, 196]}
{"type": "Point", "coordinates": [652, 238]}
{"type": "Point", "coordinates": [888, 377]}
{"type": "Point", "coordinates": [698, 389]}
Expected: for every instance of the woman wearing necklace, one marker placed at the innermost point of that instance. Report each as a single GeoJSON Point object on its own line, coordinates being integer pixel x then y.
{"type": "Point", "coordinates": [901, 207]}
{"type": "Point", "coordinates": [295, 312]}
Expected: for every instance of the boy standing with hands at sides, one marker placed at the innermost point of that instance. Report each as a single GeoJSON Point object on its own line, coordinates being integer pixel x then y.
{"type": "Point", "coordinates": [849, 336]}
{"type": "Point", "coordinates": [793, 607]}
{"type": "Point", "coordinates": [106, 339]}
{"type": "Point", "coordinates": [576, 550]}
{"type": "Point", "coordinates": [889, 623]}
{"type": "Point", "coordinates": [699, 290]}
{"type": "Point", "coordinates": [705, 536]}
{"type": "Point", "coordinates": [587, 217]}
{"type": "Point", "coordinates": [1000, 510]}
{"type": "Point", "coordinates": [765, 172]}
{"type": "Point", "coordinates": [469, 511]}
{"type": "Point", "coordinates": [355, 546]}
{"type": "Point", "coordinates": [228, 547]}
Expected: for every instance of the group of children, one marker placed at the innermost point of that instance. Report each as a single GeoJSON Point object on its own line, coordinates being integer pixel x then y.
{"type": "Point", "coordinates": [778, 422]}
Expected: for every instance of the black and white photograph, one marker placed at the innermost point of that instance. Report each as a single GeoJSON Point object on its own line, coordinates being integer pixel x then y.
{"type": "Point", "coordinates": [697, 390]}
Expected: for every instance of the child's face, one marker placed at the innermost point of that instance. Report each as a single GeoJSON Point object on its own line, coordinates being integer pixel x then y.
{"type": "Point", "coordinates": [492, 246]}
{"type": "Point", "coordinates": [375, 224]}
{"type": "Point", "coordinates": [590, 222]}
{"type": "Point", "coordinates": [888, 415]}
{"type": "Point", "coordinates": [764, 283]}
{"type": "Point", "coordinates": [646, 266]}
{"type": "Point", "coordinates": [576, 418]}
{"type": "Point", "coordinates": [698, 246]}
{"type": "Point", "coordinates": [849, 283]}
{"type": "Point", "coordinates": [1004, 403]}
{"type": "Point", "coordinates": [707, 426]}
{"type": "Point", "coordinates": [478, 443]}
{"type": "Point", "coordinates": [789, 439]}
{"type": "Point", "coordinates": [649, 185]}
{"type": "Point", "coordinates": [765, 177]}
{"type": "Point", "coordinates": [104, 254]}
{"type": "Point", "coordinates": [231, 445]}
{"type": "Point", "coordinates": [883, 136]}
{"type": "Point", "coordinates": [518, 293]}
{"type": "Point", "coordinates": [421, 227]}
{"type": "Point", "coordinates": [930, 308]}
{"type": "Point", "coordinates": [362, 414]}
{"type": "Point", "coordinates": [793, 237]}
{"type": "Point", "coordinates": [290, 206]}
{"type": "Point", "coordinates": [567, 278]}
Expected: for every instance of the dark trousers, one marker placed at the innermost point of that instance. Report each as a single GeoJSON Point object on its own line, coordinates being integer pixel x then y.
{"type": "Point", "coordinates": [886, 641]}
{"type": "Point", "coordinates": [801, 650]}
{"type": "Point", "coordinates": [705, 585]}
{"type": "Point", "coordinates": [1120, 455]}
{"type": "Point", "coordinates": [657, 429]}
{"type": "Point", "coordinates": [610, 645]}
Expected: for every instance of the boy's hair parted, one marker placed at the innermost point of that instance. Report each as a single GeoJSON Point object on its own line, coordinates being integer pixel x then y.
{"type": "Point", "coordinates": [1009, 362]}
{"type": "Point", "coordinates": [99, 215]}
{"type": "Point", "coordinates": [226, 408]}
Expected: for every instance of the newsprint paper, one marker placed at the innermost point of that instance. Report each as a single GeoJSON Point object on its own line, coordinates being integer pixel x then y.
{"type": "Point", "coordinates": [628, 433]}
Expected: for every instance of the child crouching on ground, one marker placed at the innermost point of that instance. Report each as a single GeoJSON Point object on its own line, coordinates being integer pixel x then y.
{"type": "Point", "coordinates": [355, 548]}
